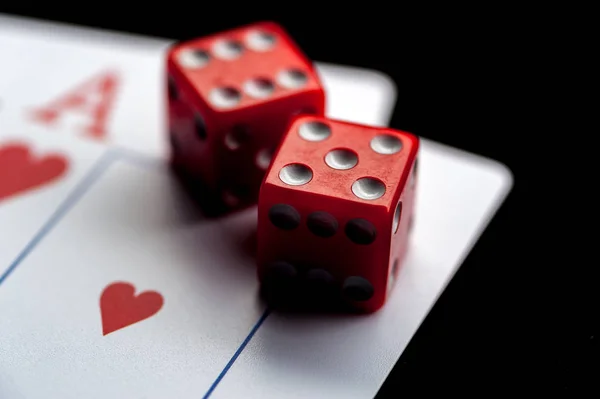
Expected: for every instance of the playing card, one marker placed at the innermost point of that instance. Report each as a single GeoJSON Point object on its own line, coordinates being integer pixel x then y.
{"type": "Point", "coordinates": [79, 330]}
{"type": "Point", "coordinates": [109, 88]}
{"type": "Point", "coordinates": [37, 174]}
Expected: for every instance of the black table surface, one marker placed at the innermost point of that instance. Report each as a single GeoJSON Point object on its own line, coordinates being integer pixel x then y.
{"type": "Point", "coordinates": [513, 319]}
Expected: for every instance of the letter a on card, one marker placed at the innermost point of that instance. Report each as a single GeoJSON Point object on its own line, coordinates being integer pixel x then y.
{"type": "Point", "coordinates": [94, 99]}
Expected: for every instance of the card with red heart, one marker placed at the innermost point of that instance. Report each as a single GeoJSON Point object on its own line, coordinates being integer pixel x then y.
{"type": "Point", "coordinates": [36, 176]}
{"type": "Point", "coordinates": [130, 294]}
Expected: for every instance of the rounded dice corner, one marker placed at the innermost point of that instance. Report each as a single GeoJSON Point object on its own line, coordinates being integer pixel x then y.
{"type": "Point", "coordinates": [172, 48]}
{"type": "Point", "coordinates": [412, 139]}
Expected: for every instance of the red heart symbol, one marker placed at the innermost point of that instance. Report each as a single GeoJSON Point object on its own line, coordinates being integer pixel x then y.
{"type": "Point", "coordinates": [120, 307]}
{"type": "Point", "coordinates": [21, 171]}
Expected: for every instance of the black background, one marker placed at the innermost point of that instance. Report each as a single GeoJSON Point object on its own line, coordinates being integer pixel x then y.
{"type": "Point", "coordinates": [472, 78]}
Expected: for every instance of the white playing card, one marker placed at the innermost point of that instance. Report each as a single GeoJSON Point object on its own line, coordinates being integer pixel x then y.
{"type": "Point", "coordinates": [37, 173]}
{"type": "Point", "coordinates": [131, 226]}
{"type": "Point", "coordinates": [80, 61]}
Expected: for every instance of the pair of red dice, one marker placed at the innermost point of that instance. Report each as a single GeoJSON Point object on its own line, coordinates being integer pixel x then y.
{"type": "Point", "coordinates": [335, 199]}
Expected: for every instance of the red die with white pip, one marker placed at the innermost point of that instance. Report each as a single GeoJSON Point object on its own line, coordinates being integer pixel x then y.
{"type": "Point", "coordinates": [335, 210]}
{"type": "Point", "coordinates": [231, 96]}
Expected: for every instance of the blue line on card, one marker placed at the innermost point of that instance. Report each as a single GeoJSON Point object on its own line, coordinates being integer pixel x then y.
{"type": "Point", "coordinates": [237, 353]}
{"type": "Point", "coordinates": [62, 210]}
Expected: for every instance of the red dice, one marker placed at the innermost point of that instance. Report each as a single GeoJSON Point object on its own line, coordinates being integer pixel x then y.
{"type": "Point", "coordinates": [335, 210]}
{"type": "Point", "coordinates": [231, 96]}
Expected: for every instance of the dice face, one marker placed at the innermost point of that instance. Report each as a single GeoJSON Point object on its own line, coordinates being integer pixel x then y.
{"type": "Point", "coordinates": [231, 97]}
{"type": "Point", "coordinates": [335, 210]}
